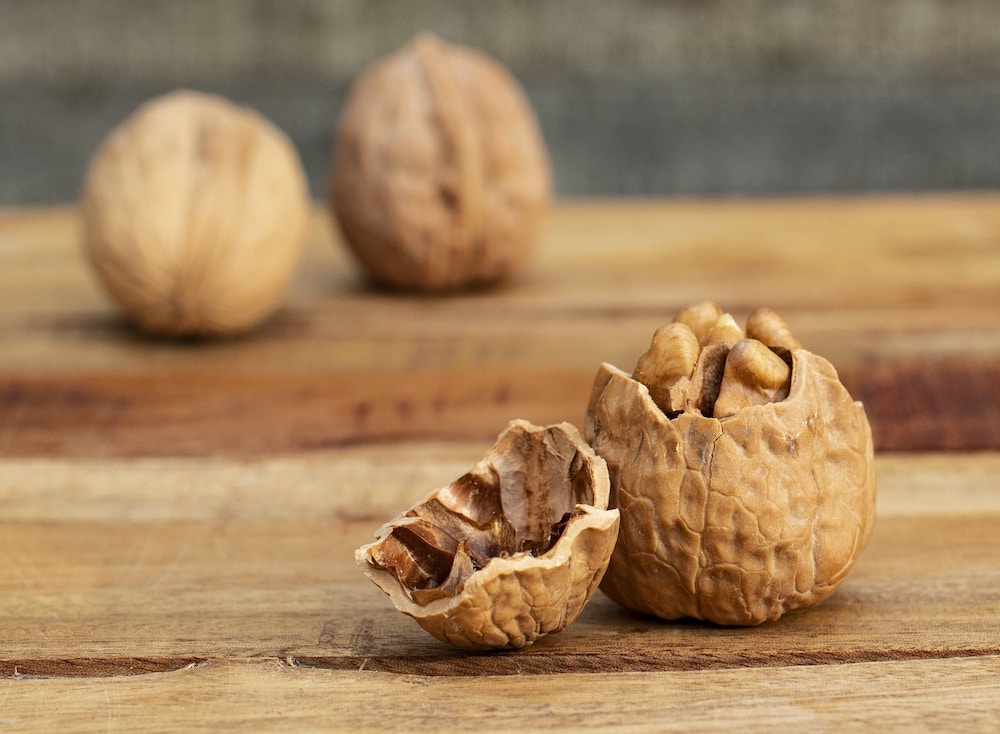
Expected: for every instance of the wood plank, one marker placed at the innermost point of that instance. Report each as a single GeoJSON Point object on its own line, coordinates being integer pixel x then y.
{"type": "Point", "coordinates": [902, 294]}
{"type": "Point", "coordinates": [905, 696]}
{"type": "Point", "coordinates": [122, 567]}
{"type": "Point", "coordinates": [906, 275]}
{"type": "Point", "coordinates": [74, 377]}
{"type": "Point", "coordinates": [178, 519]}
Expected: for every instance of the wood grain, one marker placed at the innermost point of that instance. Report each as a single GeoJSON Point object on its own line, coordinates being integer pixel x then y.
{"type": "Point", "coordinates": [277, 696]}
{"type": "Point", "coordinates": [118, 567]}
{"type": "Point", "coordinates": [178, 519]}
{"type": "Point", "coordinates": [921, 404]}
{"type": "Point", "coordinates": [901, 294]}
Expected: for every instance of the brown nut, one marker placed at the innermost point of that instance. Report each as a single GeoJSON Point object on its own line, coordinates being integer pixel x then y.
{"type": "Point", "coordinates": [700, 317]}
{"type": "Point", "coordinates": [735, 519]}
{"type": "Point", "coordinates": [508, 552]}
{"type": "Point", "coordinates": [195, 214]}
{"type": "Point", "coordinates": [724, 331]}
{"type": "Point", "coordinates": [671, 356]}
{"type": "Point", "coordinates": [767, 326]}
{"type": "Point", "coordinates": [440, 177]}
{"type": "Point", "coordinates": [754, 375]}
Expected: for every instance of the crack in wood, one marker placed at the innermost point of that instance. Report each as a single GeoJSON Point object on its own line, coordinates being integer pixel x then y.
{"type": "Point", "coordinates": [525, 663]}
{"type": "Point", "coordinates": [461, 664]}
{"type": "Point", "coordinates": [87, 667]}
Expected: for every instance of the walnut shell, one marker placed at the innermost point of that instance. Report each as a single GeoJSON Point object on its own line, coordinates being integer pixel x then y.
{"type": "Point", "coordinates": [195, 214]}
{"type": "Point", "coordinates": [508, 552]}
{"type": "Point", "coordinates": [739, 519]}
{"type": "Point", "coordinates": [440, 177]}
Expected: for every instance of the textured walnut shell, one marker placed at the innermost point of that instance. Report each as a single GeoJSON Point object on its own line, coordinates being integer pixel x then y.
{"type": "Point", "coordinates": [737, 520]}
{"type": "Point", "coordinates": [194, 215]}
{"type": "Point", "coordinates": [440, 176]}
{"type": "Point", "coordinates": [508, 552]}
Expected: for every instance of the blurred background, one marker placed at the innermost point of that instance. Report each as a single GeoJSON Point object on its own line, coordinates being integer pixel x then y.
{"type": "Point", "coordinates": [636, 97]}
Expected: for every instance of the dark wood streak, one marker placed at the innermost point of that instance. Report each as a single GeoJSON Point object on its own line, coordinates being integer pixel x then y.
{"type": "Point", "coordinates": [498, 663]}
{"type": "Point", "coordinates": [930, 405]}
{"type": "Point", "coordinates": [86, 667]}
{"type": "Point", "coordinates": [625, 661]}
{"type": "Point", "coordinates": [945, 404]}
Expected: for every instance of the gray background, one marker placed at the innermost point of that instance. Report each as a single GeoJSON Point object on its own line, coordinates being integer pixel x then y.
{"type": "Point", "coordinates": [638, 97]}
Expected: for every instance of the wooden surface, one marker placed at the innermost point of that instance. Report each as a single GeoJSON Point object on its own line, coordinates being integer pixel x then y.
{"type": "Point", "coordinates": [177, 520]}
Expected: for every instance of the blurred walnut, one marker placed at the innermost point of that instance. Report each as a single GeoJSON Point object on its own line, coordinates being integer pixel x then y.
{"type": "Point", "coordinates": [440, 176]}
{"type": "Point", "coordinates": [743, 471]}
{"type": "Point", "coordinates": [508, 552]}
{"type": "Point", "coordinates": [194, 215]}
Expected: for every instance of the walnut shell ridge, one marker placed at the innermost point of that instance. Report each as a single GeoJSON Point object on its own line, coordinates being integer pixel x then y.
{"type": "Point", "coordinates": [510, 551]}
{"type": "Point", "coordinates": [440, 177]}
{"type": "Point", "coordinates": [735, 520]}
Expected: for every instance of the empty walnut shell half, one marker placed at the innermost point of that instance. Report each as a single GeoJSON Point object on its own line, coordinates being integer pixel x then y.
{"type": "Point", "coordinates": [746, 487]}
{"type": "Point", "coordinates": [508, 552]}
{"type": "Point", "coordinates": [440, 176]}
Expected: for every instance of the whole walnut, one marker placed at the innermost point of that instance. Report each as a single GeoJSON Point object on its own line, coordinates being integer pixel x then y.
{"type": "Point", "coordinates": [194, 215]}
{"type": "Point", "coordinates": [742, 468]}
{"type": "Point", "coordinates": [440, 176]}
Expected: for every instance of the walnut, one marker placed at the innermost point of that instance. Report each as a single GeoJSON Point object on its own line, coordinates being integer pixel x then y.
{"type": "Point", "coordinates": [194, 215]}
{"type": "Point", "coordinates": [508, 552]}
{"type": "Point", "coordinates": [440, 177]}
{"type": "Point", "coordinates": [743, 471]}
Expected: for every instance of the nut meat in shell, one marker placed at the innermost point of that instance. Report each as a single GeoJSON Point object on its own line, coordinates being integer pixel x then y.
{"type": "Point", "coordinates": [194, 215]}
{"type": "Point", "coordinates": [744, 472]}
{"type": "Point", "coordinates": [440, 175]}
{"type": "Point", "coordinates": [508, 552]}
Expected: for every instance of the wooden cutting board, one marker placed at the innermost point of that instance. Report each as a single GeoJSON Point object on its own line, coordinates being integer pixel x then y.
{"type": "Point", "coordinates": [178, 519]}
